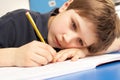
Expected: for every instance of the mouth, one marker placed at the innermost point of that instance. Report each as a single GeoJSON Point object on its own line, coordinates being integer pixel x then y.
{"type": "Point", "coordinates": [57, 42]}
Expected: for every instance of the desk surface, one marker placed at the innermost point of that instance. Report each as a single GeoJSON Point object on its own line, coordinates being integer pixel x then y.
{"type": "Point", "coordinates": [110, 71]}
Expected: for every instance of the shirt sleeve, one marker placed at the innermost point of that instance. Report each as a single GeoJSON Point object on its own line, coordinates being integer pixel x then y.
{"type": "Point", "coordinates": [11, 25]}
{"type": "Point", "coordinates": [15, 29]}
{"type": "Point", "coordinates": [7, 31]}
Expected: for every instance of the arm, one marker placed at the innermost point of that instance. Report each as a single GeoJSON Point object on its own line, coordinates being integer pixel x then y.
{"type": "Point", "coordinates": [7, 56]}
{"type": "Point", "coordinates": [34, 53]}
{"type": "Point", "coordinates": [72, 53]}
{"type": "Point", "coordinates": [75, 54]}
{"type": "Point", "coordinates": [115, 46]}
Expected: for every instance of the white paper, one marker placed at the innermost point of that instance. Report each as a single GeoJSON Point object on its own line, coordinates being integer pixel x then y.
{"type": "Point", "coordinates": [55, 69]}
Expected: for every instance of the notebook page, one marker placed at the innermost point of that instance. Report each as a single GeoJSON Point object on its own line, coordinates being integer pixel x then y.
{"type": "Point", "coordinates": [55, 69]}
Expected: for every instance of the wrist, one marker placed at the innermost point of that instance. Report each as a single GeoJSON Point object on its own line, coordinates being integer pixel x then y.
{"type": "Point", "coordinates": [7, 56]}
{"type": "Point", "coordinates": [12, 57]}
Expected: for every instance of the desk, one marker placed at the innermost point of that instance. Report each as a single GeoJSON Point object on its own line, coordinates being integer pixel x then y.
{"type": "Point", "coordinates": [109, 71]}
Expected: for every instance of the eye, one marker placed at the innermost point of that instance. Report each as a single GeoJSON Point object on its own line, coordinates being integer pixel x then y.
{"type": "Point", "coordinates": [74, 26]}
{"type": "Point", "coordinates": [81, 42]}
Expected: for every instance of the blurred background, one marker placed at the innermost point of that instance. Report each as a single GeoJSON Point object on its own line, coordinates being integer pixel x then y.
{"type": "Point", "coordinates": [117, 4]}
{"type": "Point", "coordinates": [42, 6]}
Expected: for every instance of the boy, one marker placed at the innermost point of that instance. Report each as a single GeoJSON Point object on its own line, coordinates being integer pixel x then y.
{"type": "Point", "coordinates": [103, 31]}
{"type": "Point", "coordinates": [80, 27]}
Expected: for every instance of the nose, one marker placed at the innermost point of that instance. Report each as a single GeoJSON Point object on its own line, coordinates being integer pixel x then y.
{"type": "Point", "coordinates": [68, 39]}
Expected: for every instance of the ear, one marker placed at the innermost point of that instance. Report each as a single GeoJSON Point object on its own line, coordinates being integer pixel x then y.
{"type": "Point", "coordinates": [65, 6]}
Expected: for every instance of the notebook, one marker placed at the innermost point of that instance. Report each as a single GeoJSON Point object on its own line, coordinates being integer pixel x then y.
{"type": "Point", "coordinates": [56, 69]}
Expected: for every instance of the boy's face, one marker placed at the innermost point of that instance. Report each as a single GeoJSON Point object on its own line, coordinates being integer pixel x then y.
{"type": "Point", "coordinates": [69, 30]}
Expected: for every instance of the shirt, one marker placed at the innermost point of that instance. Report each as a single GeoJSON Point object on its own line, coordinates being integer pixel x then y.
{"type": "Point", "coordinates": [16, 30]}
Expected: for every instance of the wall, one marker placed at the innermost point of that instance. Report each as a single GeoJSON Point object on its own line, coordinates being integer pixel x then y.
{"type": "Point", "coordinates": [118, 10]}
{"type": "Point", "coordinates": [44, 6]}
{"type": "Point", "coordinates": [9, 5]}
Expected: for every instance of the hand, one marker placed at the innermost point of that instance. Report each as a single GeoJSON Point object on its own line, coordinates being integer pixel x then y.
{"type": "Point", "coordinates": [34, 53]}
{"type": "Point", "coordinates": [73, 54]}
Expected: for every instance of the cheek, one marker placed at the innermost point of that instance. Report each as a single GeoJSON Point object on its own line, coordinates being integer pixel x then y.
{"type": "Point", "coordinates": [60, 24]}
{"type": "Point", "coordinates": [58, 27]}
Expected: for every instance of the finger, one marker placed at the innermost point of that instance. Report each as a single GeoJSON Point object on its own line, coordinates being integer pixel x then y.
{"type": "Point", "coordinates": [58, 55]}
{"type": "Point", "coordinates": [49, 48]}
{"type": "Point", "coordinates": [39, 59]}
{"type": "Point", "coordinates": [77, 56]}
{"type": "Point", "coordinates": [44, 53]}
{"type": "Point", "coordinates": [65, 55]}
{"type": "Point", "coordinates": [52, 50]}
{"type": "Point", "coordinates": [31, 63]}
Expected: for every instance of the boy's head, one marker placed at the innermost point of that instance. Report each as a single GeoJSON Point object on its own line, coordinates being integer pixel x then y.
{"type": "Point", "coordinates": [98, 17]}
{"type": "Point", "coordinates": [102, 14]}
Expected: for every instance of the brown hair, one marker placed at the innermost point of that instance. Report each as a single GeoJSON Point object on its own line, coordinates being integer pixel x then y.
{"type": "Point", "coordinates": [102, 14]}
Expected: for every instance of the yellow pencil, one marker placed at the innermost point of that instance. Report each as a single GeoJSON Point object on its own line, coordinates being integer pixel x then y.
{"type": "Point", "coordinates": [34, 26]}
